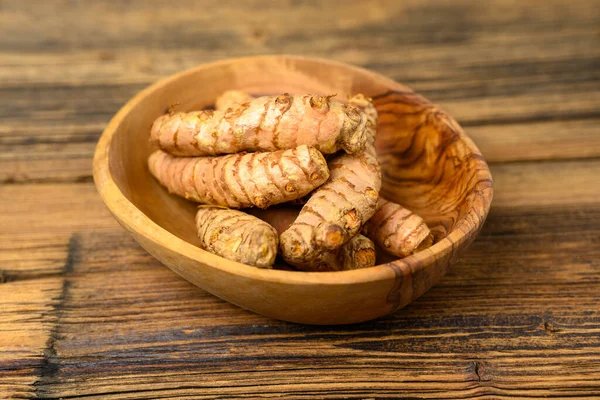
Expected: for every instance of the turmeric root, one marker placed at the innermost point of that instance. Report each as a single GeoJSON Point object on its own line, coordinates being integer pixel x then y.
{"type": "Point", "coordinates": [231, 98]}
{"type": "Point", "coordinates": [397, 230]}
{"type": "Point", "coordinates": [358, 252]}
{"type": "Point", "coordinates": [242, 180]}
{"type": "Point", "coordinates": [237, 236]}
{"type": "Point", "coordinates": [337, 210]}
{"type": "Point", "coordinates": [266, 123]}
{"type": "Point", "coordinates": [366, 105]}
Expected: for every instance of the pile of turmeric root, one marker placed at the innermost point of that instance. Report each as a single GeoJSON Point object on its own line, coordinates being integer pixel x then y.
{"type": "Point", "coordinates": [312, 152]}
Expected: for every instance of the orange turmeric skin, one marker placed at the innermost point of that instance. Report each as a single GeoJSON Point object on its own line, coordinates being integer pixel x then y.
{"type": "Point", "coordinates": [358, 252]}
{"type": "Point", "coordinates": [241, 180]}
{"type": "Point", "coordinates": [397, 230]}
{"type": "Point", "coordinates": [266, 123]}
{"type": "Point", "coordinates": [336, 211]}
{"type": "Point", "coordinates": [237, 236]}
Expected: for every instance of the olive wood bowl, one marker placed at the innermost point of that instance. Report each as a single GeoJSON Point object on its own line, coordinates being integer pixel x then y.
{"type": "Point", "coordinates": [429, 165]}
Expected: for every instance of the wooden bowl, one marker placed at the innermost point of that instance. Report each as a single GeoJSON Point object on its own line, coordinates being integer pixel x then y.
{"type": "Point", "coordinates": [429, 165]}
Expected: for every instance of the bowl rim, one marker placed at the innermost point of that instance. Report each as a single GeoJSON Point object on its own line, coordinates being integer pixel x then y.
{"type": "Point", "coordinates": [134, 220]}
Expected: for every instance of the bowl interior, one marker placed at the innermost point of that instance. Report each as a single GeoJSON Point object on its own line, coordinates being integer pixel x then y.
{"type": "Point", "coordinates": [428, 164]}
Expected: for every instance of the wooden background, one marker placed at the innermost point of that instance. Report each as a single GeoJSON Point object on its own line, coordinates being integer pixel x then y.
{"type": "Point", "coordinates": [85, 312]}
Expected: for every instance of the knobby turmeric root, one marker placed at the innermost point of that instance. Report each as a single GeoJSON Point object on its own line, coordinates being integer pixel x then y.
{"type": "Point", "coordinates": [266, 123]}
{"type": "Point", "coordinates": [231, 98]}
{"type": "Point", "coordinates": [237, 236]}
{"type": "Point", "coordinates": [340, 196]}
{"type": "Point", "coordinates": [358, 252]}
{"type": "Point", "coordinates": [242, 180]}
{"type": "Point", "coordinates": [336, 211]}
{"type": "Point", "coordinates": [397, 230]}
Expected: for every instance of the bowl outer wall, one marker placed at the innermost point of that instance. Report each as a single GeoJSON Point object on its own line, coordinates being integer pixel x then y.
{"type": "Point", "coordinates": [304, 297]}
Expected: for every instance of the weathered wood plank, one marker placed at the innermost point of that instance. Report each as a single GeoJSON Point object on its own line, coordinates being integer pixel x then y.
{"type": "Point", "coordinates": [99, 23]}
{"type": "Point", "coordinates": [454, 43]}
{"type": "Point", "coordinates": [87, 312]}
{"type": "Point", "coordinates": [549, 140]}
{"type": "Point", "coordinates": [488, 328]}
{"type": "Point", "coordinates": [36, 251]}
{"type": "Point", "coordinates": [27, 321]}
{"type": "Point", "coordinates": [38, 221]}
{"type": "Point", "coordinates": [497, 69]}
{"type": "Point", "coordinates": [46, 154]}
{"type": "Point", "coordinates": [41, 217]}
{"type": "Point", "coordinates": [546, 183]}
{"type": "Point", "coordinates": [123, 308]}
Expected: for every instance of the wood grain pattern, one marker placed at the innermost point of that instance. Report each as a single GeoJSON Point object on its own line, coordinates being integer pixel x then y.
{"type": "Point", "coordinates": [532, 67]}
{"type": "Point", "coordinates": [135, 314]}
{"type": "Point", "coordinates": [516, 317]}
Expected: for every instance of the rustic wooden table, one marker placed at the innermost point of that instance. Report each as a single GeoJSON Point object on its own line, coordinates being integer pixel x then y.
{"type": "Point", "coordinates": [84, 311]}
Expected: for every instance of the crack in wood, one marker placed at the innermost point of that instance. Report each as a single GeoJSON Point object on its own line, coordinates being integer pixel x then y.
{"type": "Point", "coordinates": [550, 327]}
{"type": "Point", "coordinates": [13, 276]}
{"type": "Point", "coordinates": [477, 372]}
{"type": "Point", "coordinates": [50, 365]}
{"type": "Point", "coordinates": [13, 180]}
{"type": "Point", "coordinates": [529, 119]}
